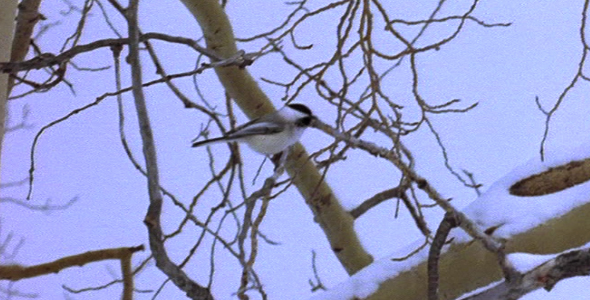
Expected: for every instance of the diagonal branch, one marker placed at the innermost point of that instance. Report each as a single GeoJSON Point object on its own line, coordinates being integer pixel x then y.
{"type": "Point", "coordinates": [336, 222]}
{"type": "Point", "coordinates": [395, 192]}
{"type": "Point", "coordinates": [566, 265]}
{"type": "Point", "coordinates": [152, 218]}
{"type": "Point", "coordinates": [449, 222]}
{"type": "Point", "coordinates": [465, 224]}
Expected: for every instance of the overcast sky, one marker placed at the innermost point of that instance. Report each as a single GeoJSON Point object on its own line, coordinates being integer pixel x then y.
{"type": "Point", "coordinates": [501, 68]}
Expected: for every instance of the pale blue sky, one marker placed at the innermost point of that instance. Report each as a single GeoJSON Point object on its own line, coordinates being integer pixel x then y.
{"type": "Point", "coordinates": [501, 68]}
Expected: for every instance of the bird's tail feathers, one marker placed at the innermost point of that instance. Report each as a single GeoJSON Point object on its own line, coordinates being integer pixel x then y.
{"type": "Point", "coordinates": [211, 141]}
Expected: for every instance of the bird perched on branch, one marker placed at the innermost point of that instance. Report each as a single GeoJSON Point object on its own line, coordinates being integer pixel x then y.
{"type": "Point", "coordinates": [269, 134]}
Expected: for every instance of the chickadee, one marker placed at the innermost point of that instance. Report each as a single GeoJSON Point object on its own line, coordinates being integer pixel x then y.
{"type": "Point", "coordinates": [272, 133]}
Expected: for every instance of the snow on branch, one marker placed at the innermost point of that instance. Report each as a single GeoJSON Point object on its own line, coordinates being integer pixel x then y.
{"type": "Point", "coordinates": [539, 201]}
{"type": "Point", "coordinates": [566, 265]}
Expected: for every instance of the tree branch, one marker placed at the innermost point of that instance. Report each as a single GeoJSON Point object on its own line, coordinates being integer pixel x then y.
{"type": "Point", "coordinates": [7, 26]}
{"type": "Point", "coordinates": [49, 59]}
{"type": "Point", "coordinates": [440, 238]}
{"type": "Point", "coordinates": [152, 218]}
{"type": "Point", "coordinates": [395, 192]}
{"type": "Point", "coordinates": [422, 184]}
{"type": "Point", "coordinates": [17, 272]}
{"type": "Point", "coordinates": [566, 265]}
{"type": "Point", "coordinates": [336, 222]}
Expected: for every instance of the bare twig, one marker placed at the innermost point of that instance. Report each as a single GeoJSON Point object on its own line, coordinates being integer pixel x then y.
{"type": "Point", "coordinates": [264, 194]}
{"type": "Point", "coordinates": [48, 59]}
{"type": "Point", "coordinates": [395, 192]}
{"type": "Point", "coordinates": [579, 75]}
{"type": "Point", "coordinates": [138, 269]}
{"type": "Point", "coordinates": [318, 285]}
{"type": "Point", "coordinates": [467, 225]}
{"type": "Point", "coordinates": [47, 207]}
{"type": "Point", "coordinates": [152, 218]}
{"type": "Point", "coordinates": [445, 19]}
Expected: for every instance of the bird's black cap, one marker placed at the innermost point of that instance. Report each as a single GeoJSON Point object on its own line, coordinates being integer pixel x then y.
{"type": "Point", "coordinates": [300, 107]}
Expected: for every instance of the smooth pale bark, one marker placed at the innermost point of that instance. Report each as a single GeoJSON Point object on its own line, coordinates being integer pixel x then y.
{"type": "Point", "coordinates": [333, 219]}
{"type": "Point", "coordinates": [7, 25]}
{"type": "Point", "coordinates": [465, 267]}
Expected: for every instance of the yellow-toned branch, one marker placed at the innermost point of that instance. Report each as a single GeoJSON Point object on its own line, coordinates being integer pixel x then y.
{"type": "Point", "coordinates": [28, 15]}
{"type": "Point", "coordinates": [127, 272]}
{"type": "Point", "coordinates": [18, 272]}
{"type": "Point", "coordinates": [239, 84]}
{"type": "Point", "coordinates": [7, 25]}
{"type": "Point", "coordinates": [465, 267]}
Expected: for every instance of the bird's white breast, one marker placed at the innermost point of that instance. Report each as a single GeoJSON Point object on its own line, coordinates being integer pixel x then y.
{"type": "Point", "coordinates": [274, 143]}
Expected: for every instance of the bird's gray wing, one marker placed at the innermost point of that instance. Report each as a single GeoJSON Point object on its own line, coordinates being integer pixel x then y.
{"type": "Point", "coordinates": [255, 128]}
{"type": "Point", "coordinates": [269, 124]}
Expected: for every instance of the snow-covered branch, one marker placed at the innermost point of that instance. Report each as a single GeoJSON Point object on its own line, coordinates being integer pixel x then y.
{"type": "Point", "coordinates": [547, 275]}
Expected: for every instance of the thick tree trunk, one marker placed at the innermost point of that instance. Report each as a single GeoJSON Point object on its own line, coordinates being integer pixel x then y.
{"type": "Point", "coordinates": [7, 25]}
{"type": "Point", "coordinates": [336, 222]}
